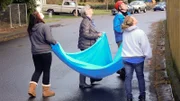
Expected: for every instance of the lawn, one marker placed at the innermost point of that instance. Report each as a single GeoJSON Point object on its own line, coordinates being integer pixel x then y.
{"type": "Point", "coordinates": [101, 12]}
{"type": "Point", "coordinates": [55, 18]}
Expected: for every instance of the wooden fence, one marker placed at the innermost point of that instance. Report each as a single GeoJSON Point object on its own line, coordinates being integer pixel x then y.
{"type": "Point", "coordinates": [173, 30]}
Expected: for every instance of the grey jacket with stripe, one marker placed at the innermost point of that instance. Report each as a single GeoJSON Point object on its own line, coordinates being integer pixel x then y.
{"type": "Point", "coordinates": [87, 34]}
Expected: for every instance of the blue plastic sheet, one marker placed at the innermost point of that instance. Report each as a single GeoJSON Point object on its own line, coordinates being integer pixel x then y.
{"type": "Point", "coordinates": [95, 62]}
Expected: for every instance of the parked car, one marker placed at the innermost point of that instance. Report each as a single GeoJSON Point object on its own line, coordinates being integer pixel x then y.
{"type": "Point", "coordinates": [160, 6]}
{"type": "Point", "coordinates": [139, 6]}
{"type": "Point", "coordinates": [66, 7]}
{"type": "Point", "coordinates": [114, 11]}
{"type": "Point", "coordinates": [130, 9]}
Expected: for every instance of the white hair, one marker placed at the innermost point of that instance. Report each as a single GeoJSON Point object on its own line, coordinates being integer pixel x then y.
{"type": "Point", "coordinates": [84, 10]}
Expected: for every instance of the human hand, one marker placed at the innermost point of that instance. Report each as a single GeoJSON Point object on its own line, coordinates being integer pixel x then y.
{"type": "Point", "coordinates": [99, 34]}
{"type": "Point", "coordinates": [149, 62]}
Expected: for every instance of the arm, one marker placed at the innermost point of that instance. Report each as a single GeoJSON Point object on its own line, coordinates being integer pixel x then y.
{"type": "Point", "coordinates": [117, 22]}
{"type": "Point", "coordinates": [48, 35]}
{"type": "Point", "coordinates": [145, 46]}
{"type": "Point", "coordinates": [85, 28]}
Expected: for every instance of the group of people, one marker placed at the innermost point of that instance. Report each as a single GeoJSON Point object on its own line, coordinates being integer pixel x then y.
{"type": "Point", "coordinates": [135, 49]}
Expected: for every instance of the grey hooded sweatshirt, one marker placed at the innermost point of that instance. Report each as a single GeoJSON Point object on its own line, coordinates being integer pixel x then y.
{"type": "Point", "coordinates": [41, 39]}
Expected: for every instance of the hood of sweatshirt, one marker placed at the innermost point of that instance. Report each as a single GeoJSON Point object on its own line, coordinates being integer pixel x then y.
{"type": "Point", "coordinates": [37, 26]}
{"type": "Point", "coordinates": [130, 28]}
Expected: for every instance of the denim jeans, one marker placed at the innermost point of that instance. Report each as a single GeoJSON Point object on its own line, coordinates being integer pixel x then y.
{"type": "Point", "coordinates": [129, 69]}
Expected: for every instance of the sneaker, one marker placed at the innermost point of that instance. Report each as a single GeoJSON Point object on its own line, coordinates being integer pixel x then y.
{"type": "Point", "coordinates": [94, 80]}
{"type": "Point", "coordinates": [141, 98]}
{"type": "Point", "coordinates": [83, 86]}
{"type": "Point", "coordinates": [129, 99]}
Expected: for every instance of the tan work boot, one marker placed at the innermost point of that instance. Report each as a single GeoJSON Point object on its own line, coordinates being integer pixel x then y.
{"type": "Point", "coordinates": [32, 89]}
{"type": "Point", "coordinates": [46, 91]}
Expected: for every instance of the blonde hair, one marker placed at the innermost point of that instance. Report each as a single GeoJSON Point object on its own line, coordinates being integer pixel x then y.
{"type": "Point", "coordinates": [128, 22]}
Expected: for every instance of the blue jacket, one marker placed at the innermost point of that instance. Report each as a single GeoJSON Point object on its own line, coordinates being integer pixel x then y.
{"type": "Point", "coordinates": [117, 22]}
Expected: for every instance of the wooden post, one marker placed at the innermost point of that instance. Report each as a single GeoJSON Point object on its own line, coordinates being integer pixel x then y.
{"type": "Point", "coordinates": [153, 1]}
{"type": "Point", "coordinates": [19, 15]}
{"type": "Point", "coordinates": [76, 8]}
{"type": "Point", "coordinates": [10, 16]}
{"type": "Point", "coordinates": [107, 4]}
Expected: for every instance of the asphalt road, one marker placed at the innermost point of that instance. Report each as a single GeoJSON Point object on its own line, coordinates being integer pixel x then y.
{"type": "Point", "coordinates": [16, 66]}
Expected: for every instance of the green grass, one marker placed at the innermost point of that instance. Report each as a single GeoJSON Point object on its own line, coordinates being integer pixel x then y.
{"type": "Point", "coordinates": [55, 18]}
{"type": "Point", "coordinates": [101, 12]}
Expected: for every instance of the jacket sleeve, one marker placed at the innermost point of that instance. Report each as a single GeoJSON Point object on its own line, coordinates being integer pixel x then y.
{"type": "Point", "coordinates": [145, 46]}
{"type": "Point", "coordinates": [48, 35]}
{"type": "Point", "coordinates": [85, 28]}
{"type": "Point", "coordinates": [117, 23]}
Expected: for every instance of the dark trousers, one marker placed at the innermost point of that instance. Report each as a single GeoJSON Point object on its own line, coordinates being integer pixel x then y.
{"type": "Point", "coordinates": [82, 78]}
{"type": "Point", "coordinates": [42, 63]}
{"type": "Point", "coordinates": [122, 71]}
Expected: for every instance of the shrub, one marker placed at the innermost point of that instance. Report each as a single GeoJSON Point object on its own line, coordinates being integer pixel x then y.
{"type": "Point", "coordinates": [129, 1]}
{"type": "Point", "coordinates": [4, 4]}
{"type": "Point", "coordinates": [102, 6]}
{"type": "Point", "coordinates": [31, 4]}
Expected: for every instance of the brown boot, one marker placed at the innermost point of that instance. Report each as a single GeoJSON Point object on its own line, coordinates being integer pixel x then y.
{"type": "Point", "coordinates": [32, 89]}
{"type": "Point", "coordinates": [47, 92]}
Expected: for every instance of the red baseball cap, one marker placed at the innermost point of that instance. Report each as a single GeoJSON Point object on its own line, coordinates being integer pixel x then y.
{"type": "Point", "coordinates": [117, 4]}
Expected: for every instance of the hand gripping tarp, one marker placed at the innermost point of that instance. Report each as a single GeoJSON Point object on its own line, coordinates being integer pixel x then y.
{"type": "Point", "coordinates": [95, 62]}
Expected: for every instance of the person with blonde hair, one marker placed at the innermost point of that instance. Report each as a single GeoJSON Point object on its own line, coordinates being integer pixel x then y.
{"type": "Point", "coordinates": [135, 49]}
{"type": "Point", "coordinates": [87, 37]}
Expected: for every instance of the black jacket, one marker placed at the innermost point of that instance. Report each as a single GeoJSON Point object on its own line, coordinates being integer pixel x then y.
{"type": "Point", "coordinates": [87, 34]}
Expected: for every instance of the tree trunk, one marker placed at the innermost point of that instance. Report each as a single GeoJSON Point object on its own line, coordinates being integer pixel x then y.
{"type": "Point", "coordinates": [107, 5]}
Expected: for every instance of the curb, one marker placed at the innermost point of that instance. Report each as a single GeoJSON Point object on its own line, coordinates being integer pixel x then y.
{"type": "Point", "coordinates": [13, 33]}
{"type": "Point", "coordinates": [161, 81]}
{"type": "Point", "coordinates": [20, 32]}
{"type": "Point", "coordinates": [12, 36]}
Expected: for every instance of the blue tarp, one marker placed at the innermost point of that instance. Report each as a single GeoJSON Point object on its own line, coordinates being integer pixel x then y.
{"type": "Point", "coordinates": [95, 62]}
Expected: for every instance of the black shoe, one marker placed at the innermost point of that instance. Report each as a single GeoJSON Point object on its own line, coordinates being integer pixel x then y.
{"type": "Point", "coordinates": [94, 80]}
{"type": "Point", "coordinates": [118, 72]}
{"type": "Point", "coordinates": [83, 86]}
{"type": "Point", "coordinates": [142, 98]}
{"type": "Point", "coordinates": [122, 74]}
{"type": "Point", "coordinates": [122, 77]}
{"type": "Point", "coordinates": [129, 99]}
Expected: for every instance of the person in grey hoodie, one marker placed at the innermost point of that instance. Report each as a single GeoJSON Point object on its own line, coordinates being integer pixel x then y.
{"type": "Point", "coordinates": [41, 38]}
{"type": "Point", "coordinates": [135, 49]}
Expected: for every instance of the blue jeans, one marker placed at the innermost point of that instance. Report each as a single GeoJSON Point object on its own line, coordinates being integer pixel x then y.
{"type": "Point", "coordinates": [129, 69]}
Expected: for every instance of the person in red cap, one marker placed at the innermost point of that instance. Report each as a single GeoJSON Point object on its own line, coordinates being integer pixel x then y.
{"type": "Point", "coordinates": [122, 9]}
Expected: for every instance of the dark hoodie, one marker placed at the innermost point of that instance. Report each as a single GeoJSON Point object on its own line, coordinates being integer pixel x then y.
{"type": "Point", "coordinates": [41, 38]}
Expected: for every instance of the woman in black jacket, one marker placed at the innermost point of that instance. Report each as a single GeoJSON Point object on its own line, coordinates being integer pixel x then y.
{"type": "Point", "coordinates": [87, 37]}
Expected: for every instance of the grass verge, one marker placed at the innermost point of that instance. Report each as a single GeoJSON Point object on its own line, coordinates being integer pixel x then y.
{"type": "Point", "coordinates": [102, 12]}
{"type": "Point", "coordinates": [161, 81]}
{"type": "Point", "coordinates": [55, 18]}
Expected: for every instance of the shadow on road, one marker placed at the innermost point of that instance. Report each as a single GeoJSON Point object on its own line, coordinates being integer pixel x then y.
{"type": "Point", "coordinates": [99, 94]}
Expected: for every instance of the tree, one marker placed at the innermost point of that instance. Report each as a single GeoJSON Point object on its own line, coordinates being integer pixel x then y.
{"type": "Point", "coordinates": [4, 3]}
{"type": "Point", "coordinates": [31, 4]}
{"type": "Point", "coordinates": [130, 1]}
